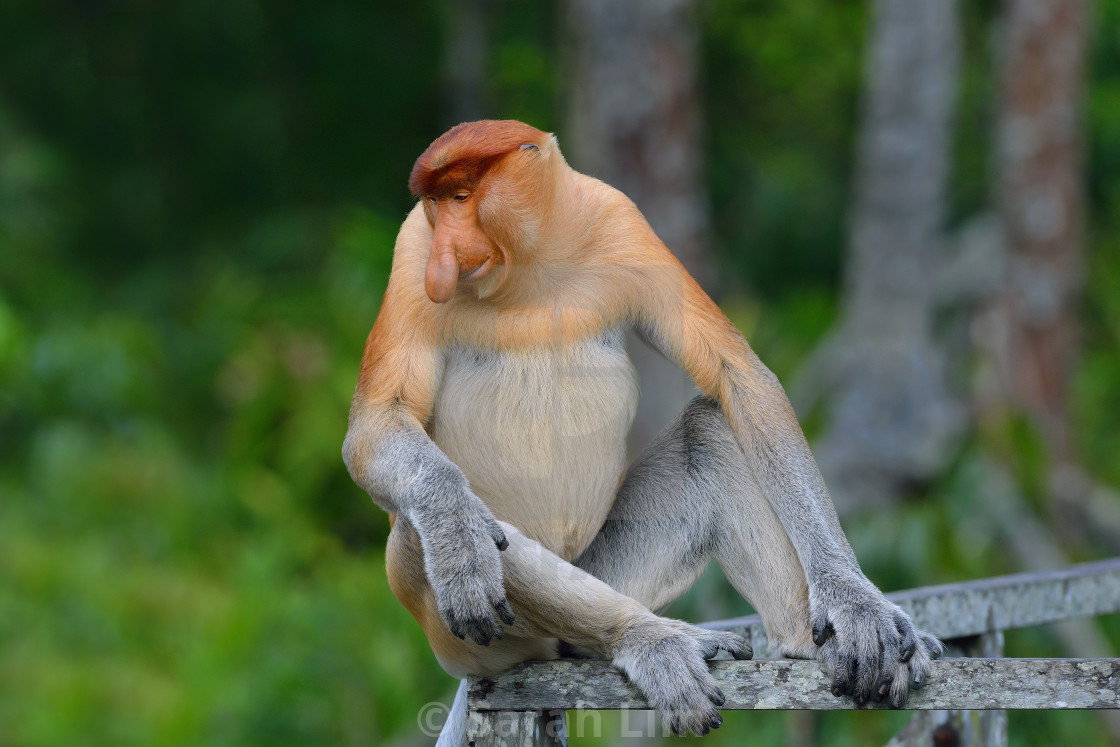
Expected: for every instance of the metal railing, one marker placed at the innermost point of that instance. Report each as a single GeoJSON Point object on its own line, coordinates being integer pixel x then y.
{"type": "Point", "coordinates": [526, 705]}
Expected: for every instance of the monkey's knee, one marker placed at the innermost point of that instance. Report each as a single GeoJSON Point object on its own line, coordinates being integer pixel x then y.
{"type": "Point", "coordinates": [703, 416]}
{"type": "Point", "coordinates": [703, 422]}
{"type": "Point", "coordinates": [700, 443]}
{"type": "Point", "coordinates": [703, 407]}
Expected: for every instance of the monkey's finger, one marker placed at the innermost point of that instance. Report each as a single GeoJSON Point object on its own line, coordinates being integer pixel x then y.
{"type": "Point", "coordinates": [917, 680]}
{"type": "Point", "coordinates": [844, 677]}
{"type": "Point", "coordinates": [822, 631]}
{"type": "Point", "coordinates": [498, 535]}
{"type": "Point", "coordinates": [485, 629]}
{"type": "Point", "coordinates": [705, 727]}
{"type": "Point", "coordinates": [711, 643]}
{"type": "Point", "coordinates": [453, 624]}
{"type": "Point", "coordinates": [699, 721]}
{"type": "Point", "coordinates": [481, 629]}
{"type": "Point", "coordinates": [883, 689]}
{"type": "Point", "coordinates": [908, 642]}
{"type": "Point", "coordinates": [933, 646]}
{"type": "Point", "coordinates": [504, 611]}
{"type": "Point", "coordinates": [497, 630]}
{"type": "Point", "coordinates": [701, 728]}
{"type": "Point", "coordinates": [710, 690]}
{"type": "Point", "coordinates": [898, 696]}
{"type": "Point", "coordinates": [735, 645]}
{"type": "Point", "coordinates": [909, 646]}
{"type": "Point", "coordinates": [866, 679]}
{"type": "Point", "coordinates": [707, 683]}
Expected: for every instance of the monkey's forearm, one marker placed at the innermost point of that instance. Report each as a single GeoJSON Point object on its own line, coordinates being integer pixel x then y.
{"type": "Point", "coordinates": [761, 416]}
{"type": "Point", "coordinates": [407, 474]}
{"type": "Point", "coordinates": [399, 466]}
{"type": "Point", "coordinates": [404, 472]}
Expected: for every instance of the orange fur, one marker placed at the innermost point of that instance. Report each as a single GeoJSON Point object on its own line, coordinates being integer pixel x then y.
{"type": "Point", "coordinates": [576, 259]}
{"type": "Point", "coordinates": [491, 411]}
{"type": "Point", "coordinates": [461, 157]}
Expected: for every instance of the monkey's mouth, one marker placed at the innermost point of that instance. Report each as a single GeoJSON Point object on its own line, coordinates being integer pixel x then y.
{"type": "Point", "coordinates": [478, 272]}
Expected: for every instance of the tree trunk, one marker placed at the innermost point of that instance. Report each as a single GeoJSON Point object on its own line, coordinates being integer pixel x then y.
{"type": "Point", "coordinates": [464, 65]}
{"type": "Point", "coordinates": [633, 121]}
{"type": "Point", "coordinates": [1029, 335]}
{"type": "Point", "coordinates": [891, 418]}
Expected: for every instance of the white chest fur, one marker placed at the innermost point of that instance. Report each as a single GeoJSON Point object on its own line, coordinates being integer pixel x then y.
{"type": "Point", "coordinates": [541, 436]}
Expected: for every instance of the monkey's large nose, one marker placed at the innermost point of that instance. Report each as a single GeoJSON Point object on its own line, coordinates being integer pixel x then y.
{"type": "Point", "coordinates": [442, 273]}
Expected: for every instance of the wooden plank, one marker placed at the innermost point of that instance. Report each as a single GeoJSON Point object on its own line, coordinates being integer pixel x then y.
{"type": "Point", "coordinates": [999, 603]}
{"type": "Point", "coordinates": [516, 729]}
{"type": "Point", "coordinates": [780, 684]}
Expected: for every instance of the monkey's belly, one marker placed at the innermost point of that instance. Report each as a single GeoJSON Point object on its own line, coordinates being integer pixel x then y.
{"type": "Point", "coordinates": [541, 435]}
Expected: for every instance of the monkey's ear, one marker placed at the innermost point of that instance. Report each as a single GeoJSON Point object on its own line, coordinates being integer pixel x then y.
{"type": "Point", "coordinates": [529, 146]}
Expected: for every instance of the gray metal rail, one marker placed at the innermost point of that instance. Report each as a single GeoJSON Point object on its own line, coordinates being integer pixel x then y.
{"type": "Point", "coordinates": [524, 707]}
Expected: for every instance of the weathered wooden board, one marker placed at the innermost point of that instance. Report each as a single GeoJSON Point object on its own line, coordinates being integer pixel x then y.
{"type": "Point", "coordinates": [770, 684]}
{"type": "Point", "coordinates": [516, 729]}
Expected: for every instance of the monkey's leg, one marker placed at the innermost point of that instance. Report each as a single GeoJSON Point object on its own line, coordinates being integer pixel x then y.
{"type": "Point", "coordinates": [551, 599]}
{"type": "Point", "coordinates": [690, 498]}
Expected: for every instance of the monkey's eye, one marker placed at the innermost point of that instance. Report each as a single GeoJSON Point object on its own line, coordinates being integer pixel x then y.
{"type": "Point", "coordinates": [433, 200]}
{"type": "Point", "coordinates": [529, 146]}
{"type": "Point", "coordinates": [461, 196]}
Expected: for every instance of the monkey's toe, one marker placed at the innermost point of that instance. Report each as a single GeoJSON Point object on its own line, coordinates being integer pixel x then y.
{"type": "Point", "coordinates": [871, 649]}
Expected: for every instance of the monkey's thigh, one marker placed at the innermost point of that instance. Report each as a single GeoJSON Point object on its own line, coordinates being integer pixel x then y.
{"type": "Point", "coordinates": [689, 497]}
{"type": "Point", "coordinates": [404, 563]}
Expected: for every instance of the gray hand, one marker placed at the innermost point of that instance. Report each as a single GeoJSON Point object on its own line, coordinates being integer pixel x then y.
{"type": "Point", "coordinates": [461, 541]}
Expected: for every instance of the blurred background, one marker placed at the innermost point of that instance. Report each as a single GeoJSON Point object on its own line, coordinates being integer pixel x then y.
{"type": "Point", "coordinates": [911, 208]}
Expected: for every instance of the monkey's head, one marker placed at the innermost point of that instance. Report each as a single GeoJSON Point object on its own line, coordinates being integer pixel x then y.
{"type": "Point", "coordinates": [485, 186]}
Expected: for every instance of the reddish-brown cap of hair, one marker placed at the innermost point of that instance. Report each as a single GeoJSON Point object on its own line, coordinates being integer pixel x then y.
{"type": "Point", "coordinates": [461, 156]}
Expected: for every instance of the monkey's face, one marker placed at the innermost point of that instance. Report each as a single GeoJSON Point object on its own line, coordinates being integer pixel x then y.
{"type": "Point", "coordinates": [485, 187]}
{"type": "Point", "coordinates": [461, 249]}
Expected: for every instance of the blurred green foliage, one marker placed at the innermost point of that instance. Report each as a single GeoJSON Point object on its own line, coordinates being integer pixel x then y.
{"type": "Point", "coordinates": [198, 202]}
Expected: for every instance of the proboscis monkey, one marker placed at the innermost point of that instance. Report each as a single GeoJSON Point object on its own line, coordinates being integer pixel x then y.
{"type": "Point", "coordinates": [490, 418]}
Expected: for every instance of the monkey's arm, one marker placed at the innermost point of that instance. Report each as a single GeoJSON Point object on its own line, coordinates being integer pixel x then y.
{"type": "Point", "coordinates": [390, 455]}
{"type": "Point", "coordinates": [681, 321]}
{"type": "Point", "coordinates": [869, 646]}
